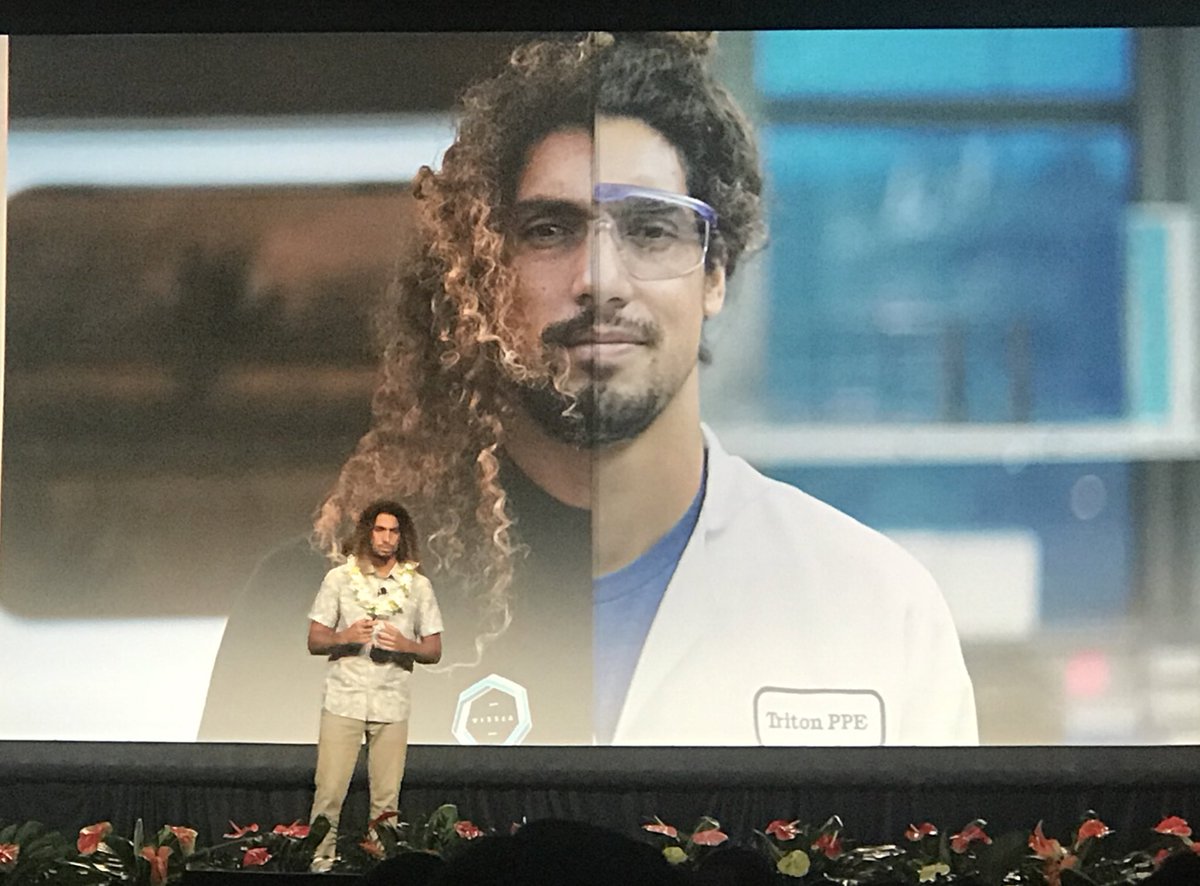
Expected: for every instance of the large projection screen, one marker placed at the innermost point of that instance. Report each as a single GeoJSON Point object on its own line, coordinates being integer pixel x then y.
{"type": "Point", "coordinates": [970, 329]}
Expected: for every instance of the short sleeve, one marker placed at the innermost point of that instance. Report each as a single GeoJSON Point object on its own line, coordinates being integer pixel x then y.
{"type": "Point", "coordinates": [325, 607]}
{"type": "Point", "coordinates": [429, 616]}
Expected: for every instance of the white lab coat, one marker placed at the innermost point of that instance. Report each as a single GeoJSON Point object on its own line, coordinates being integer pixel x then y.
{"type": "Point", "coordinates": [789, 622]}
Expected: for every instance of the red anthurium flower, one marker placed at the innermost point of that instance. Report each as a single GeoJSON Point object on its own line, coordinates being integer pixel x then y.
{"type": "Point", "coordinates": [1175, 826]}
{"type": "Point", "coordinates": [830, 844]}
{"type": "Point", "coordinates": [8, 856]}
{"type": "Point", "coordinates": [1052, 853]}
{"type": "Point", "coordinates": [255, 857]}
{"type": "Point", "coordinates": [158, 863]}
{"type": "Point", "coordinates": [1043, 846]}
{"type": "Point", "coordinates": [659, 827]}
{"type": "Point", "coordinates": [467, 830]}
{"type": "Point", "coordinates": [373, 848]}
{"type": "Point", "coordinates": [917, 832]}
{"type": "Point", "coordinates": [972, 833]}
{"type": "Point", "coordinates": [295, 829]}
{"type": "Point", "coordinates": [236, 832]}
{"type": "Point", "coordinates": [1195, 847]}
{"type": "Point", "coordinates": [186, 838]}
{"type": "Point", "coordinates": [1055, 866]}
{"type": "Point", "coordinates": [92, 836]}
{"type": "Point", "coordinates": [711, 837]}
{"type": "Point", "coordinates": [1093, 827]}
{"type": "Point", "coordinates": [783, 830]}
{"type": "Point", "coordinates": [1161, 856]}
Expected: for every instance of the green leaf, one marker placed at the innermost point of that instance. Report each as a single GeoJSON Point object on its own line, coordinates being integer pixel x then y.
{"type": "Point", "coordinates": [1074, 878]}
{"type": "Point", "coordinates": [769, 845]}
{"type": "Point", "coordinates": [944, 854]}
{"type": "Point", "coordinates": [441, 825]}
{"type": "Point", "coordinates": [1004, 854]}
{"type": "Point", "coordinates": [41, 850]}
{"type": "Point", "coordinates": [388, 839]}
{"type": "Point", "coordinates": [316, 833]}
{"type": "Point", "coordinates": [27, 832]}
{"type": "Point", "coordinates": [446, 814]}
{"type": "Point", "coordinates": [119, 851]}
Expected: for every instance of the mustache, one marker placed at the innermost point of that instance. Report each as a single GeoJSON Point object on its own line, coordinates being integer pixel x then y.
{"type": "Point", "coordinates": [565, 333]}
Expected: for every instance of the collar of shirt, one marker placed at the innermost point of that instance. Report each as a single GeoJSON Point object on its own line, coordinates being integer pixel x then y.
{"type": "Point", "coordinates": [371, 575]}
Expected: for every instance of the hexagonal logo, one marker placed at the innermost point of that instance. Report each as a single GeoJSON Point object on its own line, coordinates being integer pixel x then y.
{"type": "Point", "coordinates": [493, 711]}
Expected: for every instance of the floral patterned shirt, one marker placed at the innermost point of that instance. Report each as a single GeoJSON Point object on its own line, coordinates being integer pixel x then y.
{"type": "Point", "coordinates": [356, 686]}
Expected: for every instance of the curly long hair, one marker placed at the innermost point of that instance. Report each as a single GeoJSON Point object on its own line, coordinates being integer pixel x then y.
{"type": "Point", "coordinates": [452, 333]}
{"type": "Point", "coordinates": [359, 542]}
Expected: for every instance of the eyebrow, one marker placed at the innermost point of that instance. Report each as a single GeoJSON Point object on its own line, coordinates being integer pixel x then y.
{"type": "Point", "coordinates": [654, 207]}
{"type": "Point", "coordinates": [549, 206]}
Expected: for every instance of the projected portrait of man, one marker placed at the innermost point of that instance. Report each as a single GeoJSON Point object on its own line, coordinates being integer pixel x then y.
{"type": "Point", "coordinates": [620, 577]}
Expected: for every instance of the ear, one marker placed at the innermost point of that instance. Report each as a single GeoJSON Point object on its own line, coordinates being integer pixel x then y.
{"type": "Point", "coordinates": [714, 292]}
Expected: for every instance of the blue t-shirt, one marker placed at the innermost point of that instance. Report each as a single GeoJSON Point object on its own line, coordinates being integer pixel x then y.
{"type": "Point", "coordinates": [623, 607]}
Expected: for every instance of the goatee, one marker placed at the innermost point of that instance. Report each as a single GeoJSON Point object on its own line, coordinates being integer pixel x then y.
{"type": "Point", "coordinates": [591, 418]}
{"type": "Point", "coordinates": [595, 415]}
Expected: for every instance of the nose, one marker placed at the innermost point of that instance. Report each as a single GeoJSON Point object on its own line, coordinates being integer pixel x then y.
{"type": "Point", "coordinates": [600, 274]}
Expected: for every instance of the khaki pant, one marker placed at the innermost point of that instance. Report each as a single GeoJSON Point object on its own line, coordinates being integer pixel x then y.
{"type": "Point", "coordinates": [337, 752]}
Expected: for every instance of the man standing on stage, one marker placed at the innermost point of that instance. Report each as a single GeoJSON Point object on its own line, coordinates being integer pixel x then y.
{"type": "Point", "coordinates": [374, 616]}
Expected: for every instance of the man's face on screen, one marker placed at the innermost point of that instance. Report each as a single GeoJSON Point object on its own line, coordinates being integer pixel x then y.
{"type": "Point", "coordinates": [629, 343]}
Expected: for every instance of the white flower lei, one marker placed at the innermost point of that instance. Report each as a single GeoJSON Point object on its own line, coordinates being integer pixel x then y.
{"type": "Point", "coordinates": [381, 601]}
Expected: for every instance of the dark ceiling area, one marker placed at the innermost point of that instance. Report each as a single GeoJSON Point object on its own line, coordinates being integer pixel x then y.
{"type": "Point", "coordinates": [176, 75]}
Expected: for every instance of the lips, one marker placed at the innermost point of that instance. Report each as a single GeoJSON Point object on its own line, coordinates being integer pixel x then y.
{"type": "Point", "coordinates": [606, 336]}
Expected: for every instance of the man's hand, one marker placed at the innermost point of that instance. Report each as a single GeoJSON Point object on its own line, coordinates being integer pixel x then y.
{"type": "Point", "coordinates": [391, 640]}
{"type": "Point", "coordinates": [324, 640]}
{"type": "Point", "coordinates": [403, 651]}
{"type": "Point", "coordinates": [357, 633]}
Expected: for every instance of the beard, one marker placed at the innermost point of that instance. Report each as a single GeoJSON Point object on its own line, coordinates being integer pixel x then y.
{"type": "Point", "coordinates": [593, 417]}
{"type": "Point", "coordinates": [383, 553]}
{"type": "Point", "coordinates": [599, 413]}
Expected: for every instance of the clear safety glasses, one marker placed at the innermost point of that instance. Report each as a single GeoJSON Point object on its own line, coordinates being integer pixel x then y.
{"type": "Point", "coordinates": [658, 234]}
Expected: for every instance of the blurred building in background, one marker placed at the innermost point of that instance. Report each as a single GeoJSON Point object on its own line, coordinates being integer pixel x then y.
{"type": "Point", "coordinates": [980, 335]}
